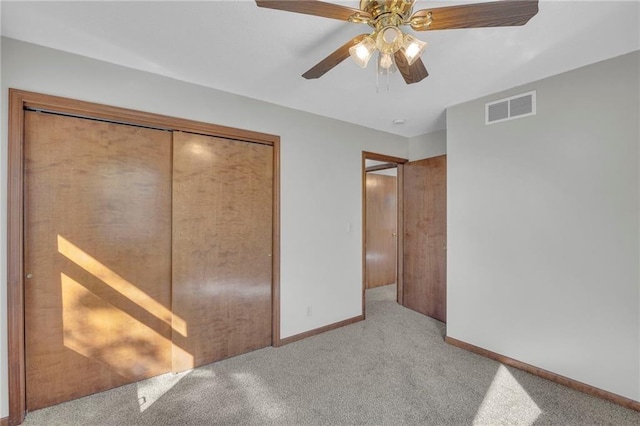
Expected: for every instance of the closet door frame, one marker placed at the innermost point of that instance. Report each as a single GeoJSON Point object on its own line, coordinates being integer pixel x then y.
{"type": "Point", "coordinates": [19, 101]}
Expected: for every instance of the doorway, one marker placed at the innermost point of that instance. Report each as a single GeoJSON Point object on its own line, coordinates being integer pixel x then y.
{"type": "Point", "coordinates": [382, 218]}
{"type": "Point", "coordinates": [417, 239]}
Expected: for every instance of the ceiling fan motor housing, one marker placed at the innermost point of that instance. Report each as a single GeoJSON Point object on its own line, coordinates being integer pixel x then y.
{"type": "Point", "coordinates": [387, 17]}
{"type": "Point", "coordinates": [387, 12]}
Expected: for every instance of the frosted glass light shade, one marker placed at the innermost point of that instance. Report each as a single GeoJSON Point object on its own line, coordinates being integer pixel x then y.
{"type": "Point", "coordinates": [386, 64]}
{"type": "Point", "coordinates": [362, 52]}
{"type": "Point", "coordinates": [413, 48]}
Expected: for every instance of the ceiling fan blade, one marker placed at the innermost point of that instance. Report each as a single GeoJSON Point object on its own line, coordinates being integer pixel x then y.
{"type": "Point", "coordinates": [503, 13]}
{"type": "Point", "coordinates": [334, 59]}
{"type": "Point", "coordinates": [317, 8]}
{"type": "Point", "coordinates": [411, 73]}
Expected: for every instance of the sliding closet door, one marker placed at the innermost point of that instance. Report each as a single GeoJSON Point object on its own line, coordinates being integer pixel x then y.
{"type": "Point", "coordinates": [222, 242]}
{"type": "Point", "coordinates": [97, 256]}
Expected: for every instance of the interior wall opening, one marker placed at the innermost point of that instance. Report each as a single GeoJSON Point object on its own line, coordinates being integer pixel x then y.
{"type": "Point", "coordinates": [382, 222]}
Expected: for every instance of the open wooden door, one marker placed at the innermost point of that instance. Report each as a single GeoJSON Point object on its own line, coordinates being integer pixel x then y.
{"type": "Point", "coordinates": [425, 236]}
{"type": "Point", "coordinates": [381, 216]}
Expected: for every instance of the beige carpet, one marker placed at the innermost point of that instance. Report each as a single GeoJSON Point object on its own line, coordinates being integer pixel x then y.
{"type": "Point", "coordinates": [392, 369]}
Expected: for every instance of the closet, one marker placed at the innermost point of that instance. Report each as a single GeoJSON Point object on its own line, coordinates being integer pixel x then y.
{"type": "Point", "coordinates": [146, 250]}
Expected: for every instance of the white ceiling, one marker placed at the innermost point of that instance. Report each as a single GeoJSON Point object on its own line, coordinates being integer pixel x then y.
{"type": "Point", "coordinates": [240, 48]}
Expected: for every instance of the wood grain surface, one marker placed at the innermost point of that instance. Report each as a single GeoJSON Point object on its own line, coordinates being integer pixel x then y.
{"type": "Point", "coordinates": [222, 247]}
{"type": "Point", "coordinates": [411, 73]}
{"type": "Point", "coordinates": [313, 7]}
{"type": "Point", "coordinates": [381, 229]}
{"type": "Point", "coordinates": [503, 13]}
{"type": "Point", "coordinates": [97, 256]}
{"type": "Point", "coordinates": [425, 236]}
{"type": "Point", "coordinates": [328, 63]}
{"type": "Point", "coordinates": [15, 261]}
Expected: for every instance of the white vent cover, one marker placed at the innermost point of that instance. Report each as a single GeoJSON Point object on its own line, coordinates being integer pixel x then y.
{"type": "Point", "coordinates": [517, 106]}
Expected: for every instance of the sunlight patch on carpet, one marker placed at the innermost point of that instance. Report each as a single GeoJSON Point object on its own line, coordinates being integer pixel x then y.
{"type": "Point", "coordinates": [260, 396]}
{"type": "Point", "coordinates": [203, 373]}
{"type": "Point", "coordinates": [150, 390]}
{"type": "Point", "coordinates": [506, 403]}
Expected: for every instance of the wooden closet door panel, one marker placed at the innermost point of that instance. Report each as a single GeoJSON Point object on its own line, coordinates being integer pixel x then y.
{"type": "Point", "coordinates": [381, 229]}
{"type": "Point", "coordinates": [222, 242]}
{"type": "Point", "coordinates": [425, 236]}
{"type": "Point", "coordinates": [97, 256]}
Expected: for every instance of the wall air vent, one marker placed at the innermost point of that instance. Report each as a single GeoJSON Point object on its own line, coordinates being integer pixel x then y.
{"type": "Point", "coordinates": [517, 106]}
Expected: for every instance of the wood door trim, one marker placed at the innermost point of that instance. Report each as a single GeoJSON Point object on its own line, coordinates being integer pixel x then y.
{"type": "Point", "coordinates": [382, 157]}
{"type": "Point", "coordinates": [141, 118]}
{"type": "Point", "coordinates": [385, 166]}
{"type": "Point", "coordinates": [15, 250]}
{"type": "Point", "coordinates": [366, 155]}
{"type": "Point", "coordinates": [18, 101]}
{"type": "Point", "coordinates": [275, 269]}
{"type": "Point", "coordinates": [400, 236]}
{"type": "Point", "coordinates": [565, 381]}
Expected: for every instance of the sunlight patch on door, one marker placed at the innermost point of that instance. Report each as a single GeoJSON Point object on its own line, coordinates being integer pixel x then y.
{"type": "Point", "coordinates": [100, 331]}
{"type": "Point", "coordinates": [150, 390]}
{"type": "Point", "coordinates": [119, 284]}
{"type": "Point", "coordinates": [506, 403]}
{"type": "Point", "coordinates": [181, 359]}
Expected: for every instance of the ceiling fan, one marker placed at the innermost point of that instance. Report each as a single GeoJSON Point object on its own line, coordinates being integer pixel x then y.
{"type": "Point", "coordinates": [395, 48]}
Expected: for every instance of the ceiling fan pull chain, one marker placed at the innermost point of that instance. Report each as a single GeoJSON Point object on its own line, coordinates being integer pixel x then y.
{"type": "Point", "coordinates": [388, 73]}
{"type": "Point", "coordinates": [377, 77]}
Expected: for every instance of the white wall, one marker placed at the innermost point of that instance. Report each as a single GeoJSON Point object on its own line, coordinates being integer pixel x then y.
{"type": "Point", "coordinates": [543, 227]}
{"type": "Point", "coordinates": [428, 145]}
{"type": "Point", "coordinates": [321, 158]}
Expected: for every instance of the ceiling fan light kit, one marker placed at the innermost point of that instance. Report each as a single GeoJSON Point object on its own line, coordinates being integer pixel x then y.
{"type": "Point", "coordinates": [385, 62]}
{"type": "Point", "coordinates": [396, 49]}
{"type": "Point", "coordinates": [362, 52]}
{"type": "Point", "coordinates": [413, 48]}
